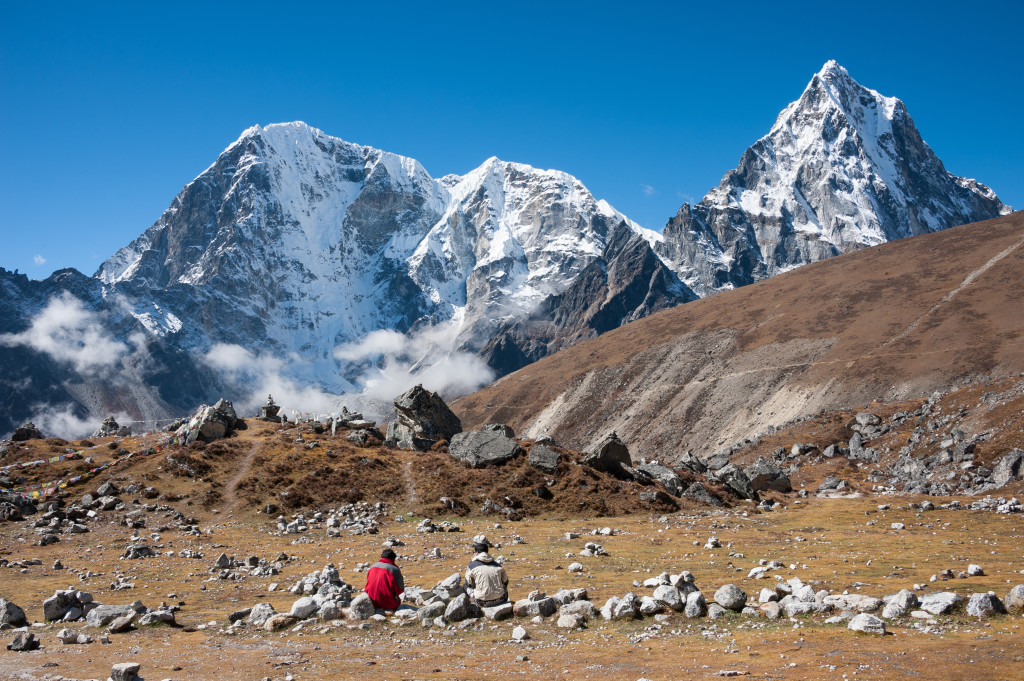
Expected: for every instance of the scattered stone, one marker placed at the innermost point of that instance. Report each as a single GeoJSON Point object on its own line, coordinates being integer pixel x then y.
{"type": "Point", "coordinates": [125, 671]}
{"type": "Point", "coordinates": [975, 571]}
{"type": "Point", "coordinates": [11, 615]}
{"type": "Point", "coordinates": [731, 597]}
{"type": "Point", "coordinates": [939, 603]}
{"type": "Point", "coordinates": [985, 605]}
{"type": "Point", "coordinates": [866, 623]}
{"type": "Point", "coordinates": [24, 641]}
{"type": "Point", "coordinates": [520, 634]}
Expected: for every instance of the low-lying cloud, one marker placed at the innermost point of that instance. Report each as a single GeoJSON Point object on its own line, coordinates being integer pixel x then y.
{"type": "Point", "coordinates": [391, 362]}
{"type": "Point", "coordinates": [68, 332]}
{"type": "Point", "coordinates": [396, 362]}
{"type": "Point", "coordinates": [62, 421]}
{"type": "Point", "coordinates": [254, 376]}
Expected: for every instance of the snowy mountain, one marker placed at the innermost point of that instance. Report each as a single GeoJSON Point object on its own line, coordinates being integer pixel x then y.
{"type": "Point", "coordinates": [311, 267]}
{"type": "Point", "coordinates": [842, 168]}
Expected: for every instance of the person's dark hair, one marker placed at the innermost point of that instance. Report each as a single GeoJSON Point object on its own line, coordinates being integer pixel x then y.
{"type": "Point", "coordinates": [480, 547]}
{"type": "Point", "coordinates": [389, 554]}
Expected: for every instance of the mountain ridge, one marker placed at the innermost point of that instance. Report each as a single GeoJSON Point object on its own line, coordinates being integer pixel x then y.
{"type": "Point", "coordinates": [283, 263]}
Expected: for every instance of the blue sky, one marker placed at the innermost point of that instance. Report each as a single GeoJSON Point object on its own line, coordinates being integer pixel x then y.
{"type": "Point", "coordinates": [106, 111]}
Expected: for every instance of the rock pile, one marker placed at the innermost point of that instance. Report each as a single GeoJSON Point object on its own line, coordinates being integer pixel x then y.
{"type": "Point", "coordinates": [110, 428]}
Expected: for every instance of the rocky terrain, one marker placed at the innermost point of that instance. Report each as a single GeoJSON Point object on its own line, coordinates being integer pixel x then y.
{"type": "Point", "coordinates": [898, 321]}
{"type": "Point", "coordinates": [305, 264]}
{"type": "Point", "coordinates": [167, 550]}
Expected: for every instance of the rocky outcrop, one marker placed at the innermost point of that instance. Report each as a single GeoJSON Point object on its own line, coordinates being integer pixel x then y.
{"type": "Point", "coordinates": [210, 423]}
{"type": "Point", "coordinates": [26, 431]}
{"type": "Point", "coordinates": [610, 456]}
{"type": "Point", "coordinates": [765, 475]}
{"type": "Point", "coordinates": [423, 419]}
{"type": "Point", "coordinates": [483, 448]}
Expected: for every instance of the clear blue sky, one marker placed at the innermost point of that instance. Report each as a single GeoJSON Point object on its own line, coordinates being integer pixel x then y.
{"type": "Point", "coordinates": [107, 110]}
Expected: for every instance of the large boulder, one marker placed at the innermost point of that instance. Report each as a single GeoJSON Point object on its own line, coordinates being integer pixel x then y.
{"type": "Point", "coordinates": [733, 477]}
{"type": "Point", "coordinates": [210, 423]}
{"type": "Point", "coordinates": [700, 494]}
{"type": "Point", "coordinates": [423, 419]}
{"type": "Point", "coordinates": [110, 428]}
{"type": "Point", "coordinates": [24, 641]}
{"type": "Point", "coordinates": [102, 615]}
{"type": "Point", "coordinates": [984, 605]}
{"type": "Point", "coordinates": [544, 458]}
{"type": "Point", "coordinates": [1009, 467]}
{"type": "Point", "coordinates": [483, 448]}
{"type": "Point", "coordinates": [26, 431]}
{"type": "Point", "coordinates": [940, 603]}
{"type": "Point", "coordinates": [665, 475]}
{"type": "Point", "coordinates": [361, 608]}
{"type": "Point", "coordinates": [260, 613]}
{"type": "Point", "coordinates": [609, 456]}
{"type": "Point", "coordinates": [1015, 599]}
{"type": "Point", "coordinates": [868, 624]}
{"type": "Point", "coordinates": [11, 614]}
{"type": "Point", "coordinates": [765, 475]}
{"type": "Point", "coordinates": [731, 597]}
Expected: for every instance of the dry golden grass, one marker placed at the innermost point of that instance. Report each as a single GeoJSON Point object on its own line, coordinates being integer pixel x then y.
{"type": "Point", "coordinates": [839, 543]}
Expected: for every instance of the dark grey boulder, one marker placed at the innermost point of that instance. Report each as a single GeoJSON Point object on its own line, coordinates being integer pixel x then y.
{"type": "Point", "coordinates": [733, 477]}
{"type": "Point", "coordinates": [483, 448]}
{"type": "Point", "coordinates": [688, 460]}
{"type": "Point", "coordinates": [544, 458]}
{"type": "Point", "coordinates": [665, 475]}
{"type": "Point", "coordinates": [765, 475]}
{"type": "Point", "coordinates": [24, 641]}
{"type": "Point", "coordinates": [500, 428]}
{"type": "Point", "coordinates": [422, 419]}
{"type": "Point", "coordinates": [26, 431]}
{"type": "Point", "coordinates": [699, 493]}
{"type": "Point", "coordinates": [11, 615]}
{"type": "Point", "coordinates": [211, 423]}
{"type": "Point", "coordinates": [610, 456]}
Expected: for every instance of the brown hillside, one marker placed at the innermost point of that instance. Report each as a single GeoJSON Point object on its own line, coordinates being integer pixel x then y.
{"type": "Point", "coordinates": [888, 323]}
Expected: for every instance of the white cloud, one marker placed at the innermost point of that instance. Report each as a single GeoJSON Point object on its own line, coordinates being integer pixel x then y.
{"type": "Point", "coordinates": [39, 260]}
{"type": "Point", "coordinates": [394, 362]}
{"type": "Point", "coordinates": [68, 332]}
{"type": "Point", "coordinates": [257, 375]}
{"type": "Point", "coordinates": [58, 421]}
{"type": "Point", "coordinates": [648, 190]}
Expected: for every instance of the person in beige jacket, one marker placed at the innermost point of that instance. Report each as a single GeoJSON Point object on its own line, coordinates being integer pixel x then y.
{"type": "Point", "coordinates": [487, 579]}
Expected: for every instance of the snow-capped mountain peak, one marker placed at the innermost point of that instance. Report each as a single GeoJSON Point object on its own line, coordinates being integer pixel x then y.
{"type": "Point", "coordinates": [842, 168]}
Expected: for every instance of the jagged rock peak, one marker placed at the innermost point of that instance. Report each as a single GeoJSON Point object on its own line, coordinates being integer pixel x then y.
{"type": "Point", "coordinates": [843, 167]}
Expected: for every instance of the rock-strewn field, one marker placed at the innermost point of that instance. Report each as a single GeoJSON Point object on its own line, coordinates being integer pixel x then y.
{"type": "Point", "coordinates": [253, 549]}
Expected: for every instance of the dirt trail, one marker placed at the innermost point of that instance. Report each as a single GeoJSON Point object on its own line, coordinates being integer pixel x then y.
{"type": "Point", "coordinates": [230, 495]}
{"type": "Point", "coordinates": [968, 280]}
{"type": "Point", "coordinates": [410, 483]}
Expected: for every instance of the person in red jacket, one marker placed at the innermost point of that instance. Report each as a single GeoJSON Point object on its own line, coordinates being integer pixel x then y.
{"type": "Point", "coordinates": [384, 582]}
